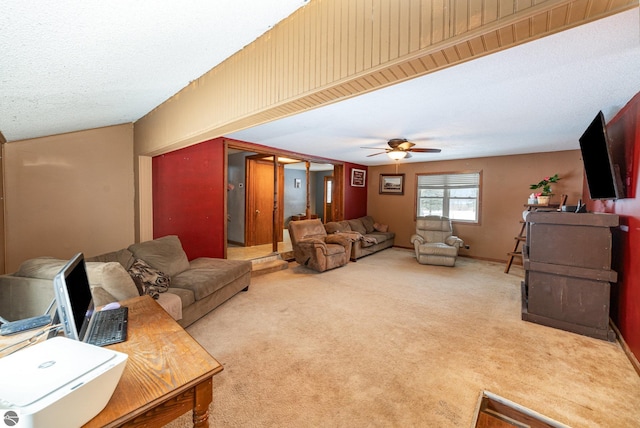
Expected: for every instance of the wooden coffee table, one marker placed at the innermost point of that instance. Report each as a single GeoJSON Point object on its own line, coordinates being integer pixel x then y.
{"type": "Point", "coordinates": [167, 374]}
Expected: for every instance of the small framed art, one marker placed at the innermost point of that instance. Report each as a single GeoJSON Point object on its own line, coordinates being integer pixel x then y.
{"type": "Point", "coordinates": [391, 184]}
{"type": "Point", "coordinates": [358, 177]}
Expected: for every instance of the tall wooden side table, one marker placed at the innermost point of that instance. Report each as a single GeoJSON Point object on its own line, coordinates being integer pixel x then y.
{"type": "Point", "coordinates": [568, 275]}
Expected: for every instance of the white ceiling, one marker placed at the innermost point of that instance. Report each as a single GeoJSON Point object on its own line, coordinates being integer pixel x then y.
{"type": "Point", "coordinates": [77, 64]}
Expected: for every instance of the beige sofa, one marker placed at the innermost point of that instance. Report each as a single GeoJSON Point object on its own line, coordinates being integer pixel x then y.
{"type": "Point", "coordinates": [367, 235]}
{"type": "Point", "coordinates": [194, 287]}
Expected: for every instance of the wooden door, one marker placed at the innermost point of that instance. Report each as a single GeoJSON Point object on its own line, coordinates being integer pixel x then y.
{"type": "Point", "coordinates": [261, 208]}
{"type": "Point", "coordinates": [260, 204]}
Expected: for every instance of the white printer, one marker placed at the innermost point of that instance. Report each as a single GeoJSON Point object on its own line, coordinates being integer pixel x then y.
{"type": "Point", "coordinates": [57, 383]}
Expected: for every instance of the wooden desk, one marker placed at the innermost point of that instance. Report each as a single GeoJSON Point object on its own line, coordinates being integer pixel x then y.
{"type": "Point", "coordinates": [16, 342]}
{"type": "Point", "coordinates": [168, 373]}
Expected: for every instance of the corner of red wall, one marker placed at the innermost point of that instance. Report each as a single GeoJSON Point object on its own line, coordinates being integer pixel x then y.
{"type": "Point", "coordinates": [626, 248]}
{"type": "Point", "coordinates": [355, 197]}
{"type": "Point", "coordinates": [188, 198]}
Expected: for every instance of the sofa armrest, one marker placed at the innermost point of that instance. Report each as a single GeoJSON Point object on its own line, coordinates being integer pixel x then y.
{"type": "Point", "coordinates": [338, 239]}
{"type": "Point", "coordinates": [454, 241]}
{"type": "Point", "coordinates": [417, 239]}
{"type": "Point", "coordinates": [172, 304]}
{"type": "Point", "coordinates": [311, 243]}
{"type": "Point", "coordinates": [22, 297]}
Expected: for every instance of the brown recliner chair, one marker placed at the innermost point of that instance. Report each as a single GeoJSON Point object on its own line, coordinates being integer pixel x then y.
{"type": "Point", "coordinates": [313, 248]}
{"type": "Point", "coordinates": [434, 241]}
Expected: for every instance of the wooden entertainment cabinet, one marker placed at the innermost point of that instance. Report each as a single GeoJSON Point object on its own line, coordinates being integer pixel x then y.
{"type": "Point", "coordinates": [568, 276]}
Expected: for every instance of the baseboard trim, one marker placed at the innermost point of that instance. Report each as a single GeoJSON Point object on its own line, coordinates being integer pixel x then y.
{"type": "Point", "coordinates": [632, 358]}
{"type": "Point", "coordinates": [485, 259]}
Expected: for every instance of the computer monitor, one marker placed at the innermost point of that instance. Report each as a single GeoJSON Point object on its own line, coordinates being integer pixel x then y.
{"type": "Point", "coordinates": [73, 297]}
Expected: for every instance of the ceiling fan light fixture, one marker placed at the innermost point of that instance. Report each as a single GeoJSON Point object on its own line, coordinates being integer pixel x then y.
{"type": "Point", "coordinates": [397, 154]}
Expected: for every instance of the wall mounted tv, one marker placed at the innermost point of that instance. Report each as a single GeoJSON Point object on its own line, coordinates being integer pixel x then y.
{"type": "Point", "coordinates": [603, 176]}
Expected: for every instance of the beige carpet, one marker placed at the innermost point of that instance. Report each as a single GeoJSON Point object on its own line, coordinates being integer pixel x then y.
{"type": "Point", "coordinates": [387, 342]}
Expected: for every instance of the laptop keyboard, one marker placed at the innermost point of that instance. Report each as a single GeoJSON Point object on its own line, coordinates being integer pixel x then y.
{"type": "Point", "coordinates": [23, 325]}
{"type": "Point", "coordinates": [108, 327]}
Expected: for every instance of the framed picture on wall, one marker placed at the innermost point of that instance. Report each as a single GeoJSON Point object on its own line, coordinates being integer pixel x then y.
{"type": "Point", "coordinates": [391, 184]}
{"type": "Point", "coordinates": [358, 177]}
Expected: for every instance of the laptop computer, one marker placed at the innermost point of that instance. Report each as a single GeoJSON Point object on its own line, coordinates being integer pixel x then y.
{"type": "Point", "coordinates": [75, 309]}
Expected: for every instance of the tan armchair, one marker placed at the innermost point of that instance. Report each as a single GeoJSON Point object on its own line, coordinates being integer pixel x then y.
{"type": "Point", "coordinates": [313, 248]}
{"type": "Point", "coordinates": [434, 241]}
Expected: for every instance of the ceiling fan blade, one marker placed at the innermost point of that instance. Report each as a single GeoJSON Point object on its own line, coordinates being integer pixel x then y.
{"type": "Point", "coordinates": [406, 145]}
{"type": "Point", "coordinates": [375, 148]}
{"type": "Point", "coordinates": [376, 154]}
{"type": "Point", "coordinates": [425, 150]}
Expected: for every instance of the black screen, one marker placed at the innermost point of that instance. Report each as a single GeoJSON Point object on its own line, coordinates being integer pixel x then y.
{"type": "Point", "coordinates": [79, 292]}
{"type": "Point", "coordinates": [596, 156]}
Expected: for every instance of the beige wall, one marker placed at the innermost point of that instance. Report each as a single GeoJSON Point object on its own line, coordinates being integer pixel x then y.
{"type": "Point", "coordinates": [505, 188]}
{"type": "Point", "coordinates": [69, 193]}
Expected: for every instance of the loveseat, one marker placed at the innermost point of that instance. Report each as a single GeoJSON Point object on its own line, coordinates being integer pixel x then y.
{"type": "Point", "coordinates": [367, 235]}
{"type": "Point", "coordinates": [186, 289]}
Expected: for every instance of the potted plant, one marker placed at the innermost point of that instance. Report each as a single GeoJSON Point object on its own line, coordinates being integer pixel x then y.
{"type": "Point", "coordinates": [544, 184]}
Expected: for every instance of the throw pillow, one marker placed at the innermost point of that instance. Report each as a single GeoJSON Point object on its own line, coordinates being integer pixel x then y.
{"type": "Point", "coordinates": [165, 254]}
{"type": "Point", "coordinates": [381, 227]}
{"type": "Point", "coordinates": [153, 281]}
{"type": "Point", "coordinates": [113, 279]}
{"type": "Point", "coordinates": [139, 284]}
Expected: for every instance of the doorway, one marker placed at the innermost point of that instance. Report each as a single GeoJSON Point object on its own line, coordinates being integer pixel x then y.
{"type": "Point", "coordinates": [250, 199]}
{"type": "Point", "coordinates": [263, 204]}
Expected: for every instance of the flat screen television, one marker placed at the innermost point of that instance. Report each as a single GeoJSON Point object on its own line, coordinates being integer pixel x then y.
{"type": "Point", "coordinates": [603, 176]}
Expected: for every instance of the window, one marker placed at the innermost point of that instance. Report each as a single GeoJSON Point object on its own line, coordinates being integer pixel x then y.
{"type": "Point", "coordinates": [455, 196]}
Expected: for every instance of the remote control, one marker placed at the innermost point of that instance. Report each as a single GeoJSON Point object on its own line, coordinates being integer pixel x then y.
{"type": "Point", "coordinates": [25, 324]}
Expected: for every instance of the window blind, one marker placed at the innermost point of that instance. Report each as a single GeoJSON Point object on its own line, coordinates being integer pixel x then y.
{"type": "Point", "coordinates": [449, 181]}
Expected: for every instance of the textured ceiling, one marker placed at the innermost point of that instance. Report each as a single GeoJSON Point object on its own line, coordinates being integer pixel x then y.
{"type": "Point", "coordinates": [67, 65]}
{"type": "Point", "coordinates": [73, 64]}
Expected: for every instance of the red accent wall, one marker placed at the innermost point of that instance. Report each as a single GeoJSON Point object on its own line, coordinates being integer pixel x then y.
{"type": "Point", "coordinates": [625, 306]}
{"type": "Point", "coordinates": [188, 198]}
{"type": "Point", "coordinates": [355, 198]}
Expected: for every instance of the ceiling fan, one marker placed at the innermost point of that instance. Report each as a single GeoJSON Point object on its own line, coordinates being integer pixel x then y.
{"type": "Point", "coordinates": [400, 148]}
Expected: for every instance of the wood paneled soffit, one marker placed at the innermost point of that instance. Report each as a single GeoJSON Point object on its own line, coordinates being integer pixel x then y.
{"type": "Point", "coordinates": [331, 50]}
{"type": "Point", "coordinates": [476, 29]}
